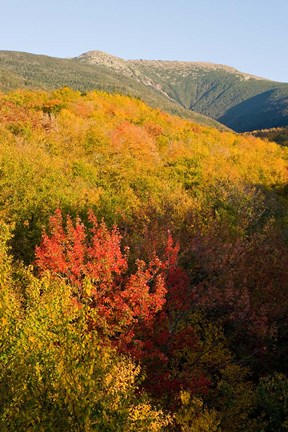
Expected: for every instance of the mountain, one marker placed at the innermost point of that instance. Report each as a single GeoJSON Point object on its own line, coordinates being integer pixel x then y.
{"type": "Point", "coordinates": [24, 70]}
{"type": "Point", "coordinates": [238, 100]}
{"type": "Point", "coordinates": [241, 101]}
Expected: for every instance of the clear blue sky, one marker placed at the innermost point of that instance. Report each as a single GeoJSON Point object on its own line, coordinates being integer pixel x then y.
{"type": "Point", "coordinates": [251, 35]}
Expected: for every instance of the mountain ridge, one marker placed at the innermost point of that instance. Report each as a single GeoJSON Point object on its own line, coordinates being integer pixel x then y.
{"type": "Point", "coordinates": [195, 90]}
{"type": "Point", "coordinates": [110, 59]}
{"type": "Point", "coordinates": [34, 71]}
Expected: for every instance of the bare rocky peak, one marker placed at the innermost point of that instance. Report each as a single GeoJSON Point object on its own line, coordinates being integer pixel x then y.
{"type": "Point", "coordinates": [102, 58]}
{"type": "Point", "coordinates": [135, 67]}
{"type": "Point", "coordinates": [116, 63]}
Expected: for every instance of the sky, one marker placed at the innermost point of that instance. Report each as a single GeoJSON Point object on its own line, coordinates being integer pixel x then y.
{"type": "Point", "coordinates": [250, 35]}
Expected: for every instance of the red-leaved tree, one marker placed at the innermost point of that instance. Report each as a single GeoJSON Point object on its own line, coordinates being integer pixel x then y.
{"type": "Point", "coordinates": [91, 260]}
{"type": "Point", "coordinates": [143, 313]}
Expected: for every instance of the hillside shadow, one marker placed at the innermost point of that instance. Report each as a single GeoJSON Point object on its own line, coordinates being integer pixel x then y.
{"type": "Point", "coordinates": [257, 112]}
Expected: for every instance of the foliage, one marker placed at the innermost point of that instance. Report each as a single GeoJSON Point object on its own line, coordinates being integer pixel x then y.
{"type": "Point", "coordinates": [58, 375]}
{"type": "Point", "coordinates": [278, 135]}
{"type": "Point", "coordinates": [272, 403]}
{"type": "Point", "coordinates": [194, 417]}
{"type": "Point", "coordinates": [159, 249]}
{"type": "Point", "coordinates": [93, 263]}
{"type": "Point", "coordinates": [123, 159]}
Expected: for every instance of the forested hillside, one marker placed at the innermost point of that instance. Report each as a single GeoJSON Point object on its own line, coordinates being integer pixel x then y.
{"type": "Point", "coordinates": [240, 101]}
{"type": "Point", "coordinates": [278, 135]}
{"type": "Point", "coordinates": [23, 70]}
{"type": "Point", "coordinates": [207, 93]}
{"type": "Point", "coordinates": [143, 270]}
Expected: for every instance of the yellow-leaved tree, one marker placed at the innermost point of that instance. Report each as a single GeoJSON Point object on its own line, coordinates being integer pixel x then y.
{"type": "Point", "coordinates": [55, 372]}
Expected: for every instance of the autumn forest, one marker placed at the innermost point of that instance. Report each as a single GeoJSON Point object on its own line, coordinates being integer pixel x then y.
{"type": "Point", "coordinates": [143, 270]}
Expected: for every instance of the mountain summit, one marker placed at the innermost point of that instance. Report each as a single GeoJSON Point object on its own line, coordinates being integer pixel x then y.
{"type": "Point", "coordinates": [104, 59]}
